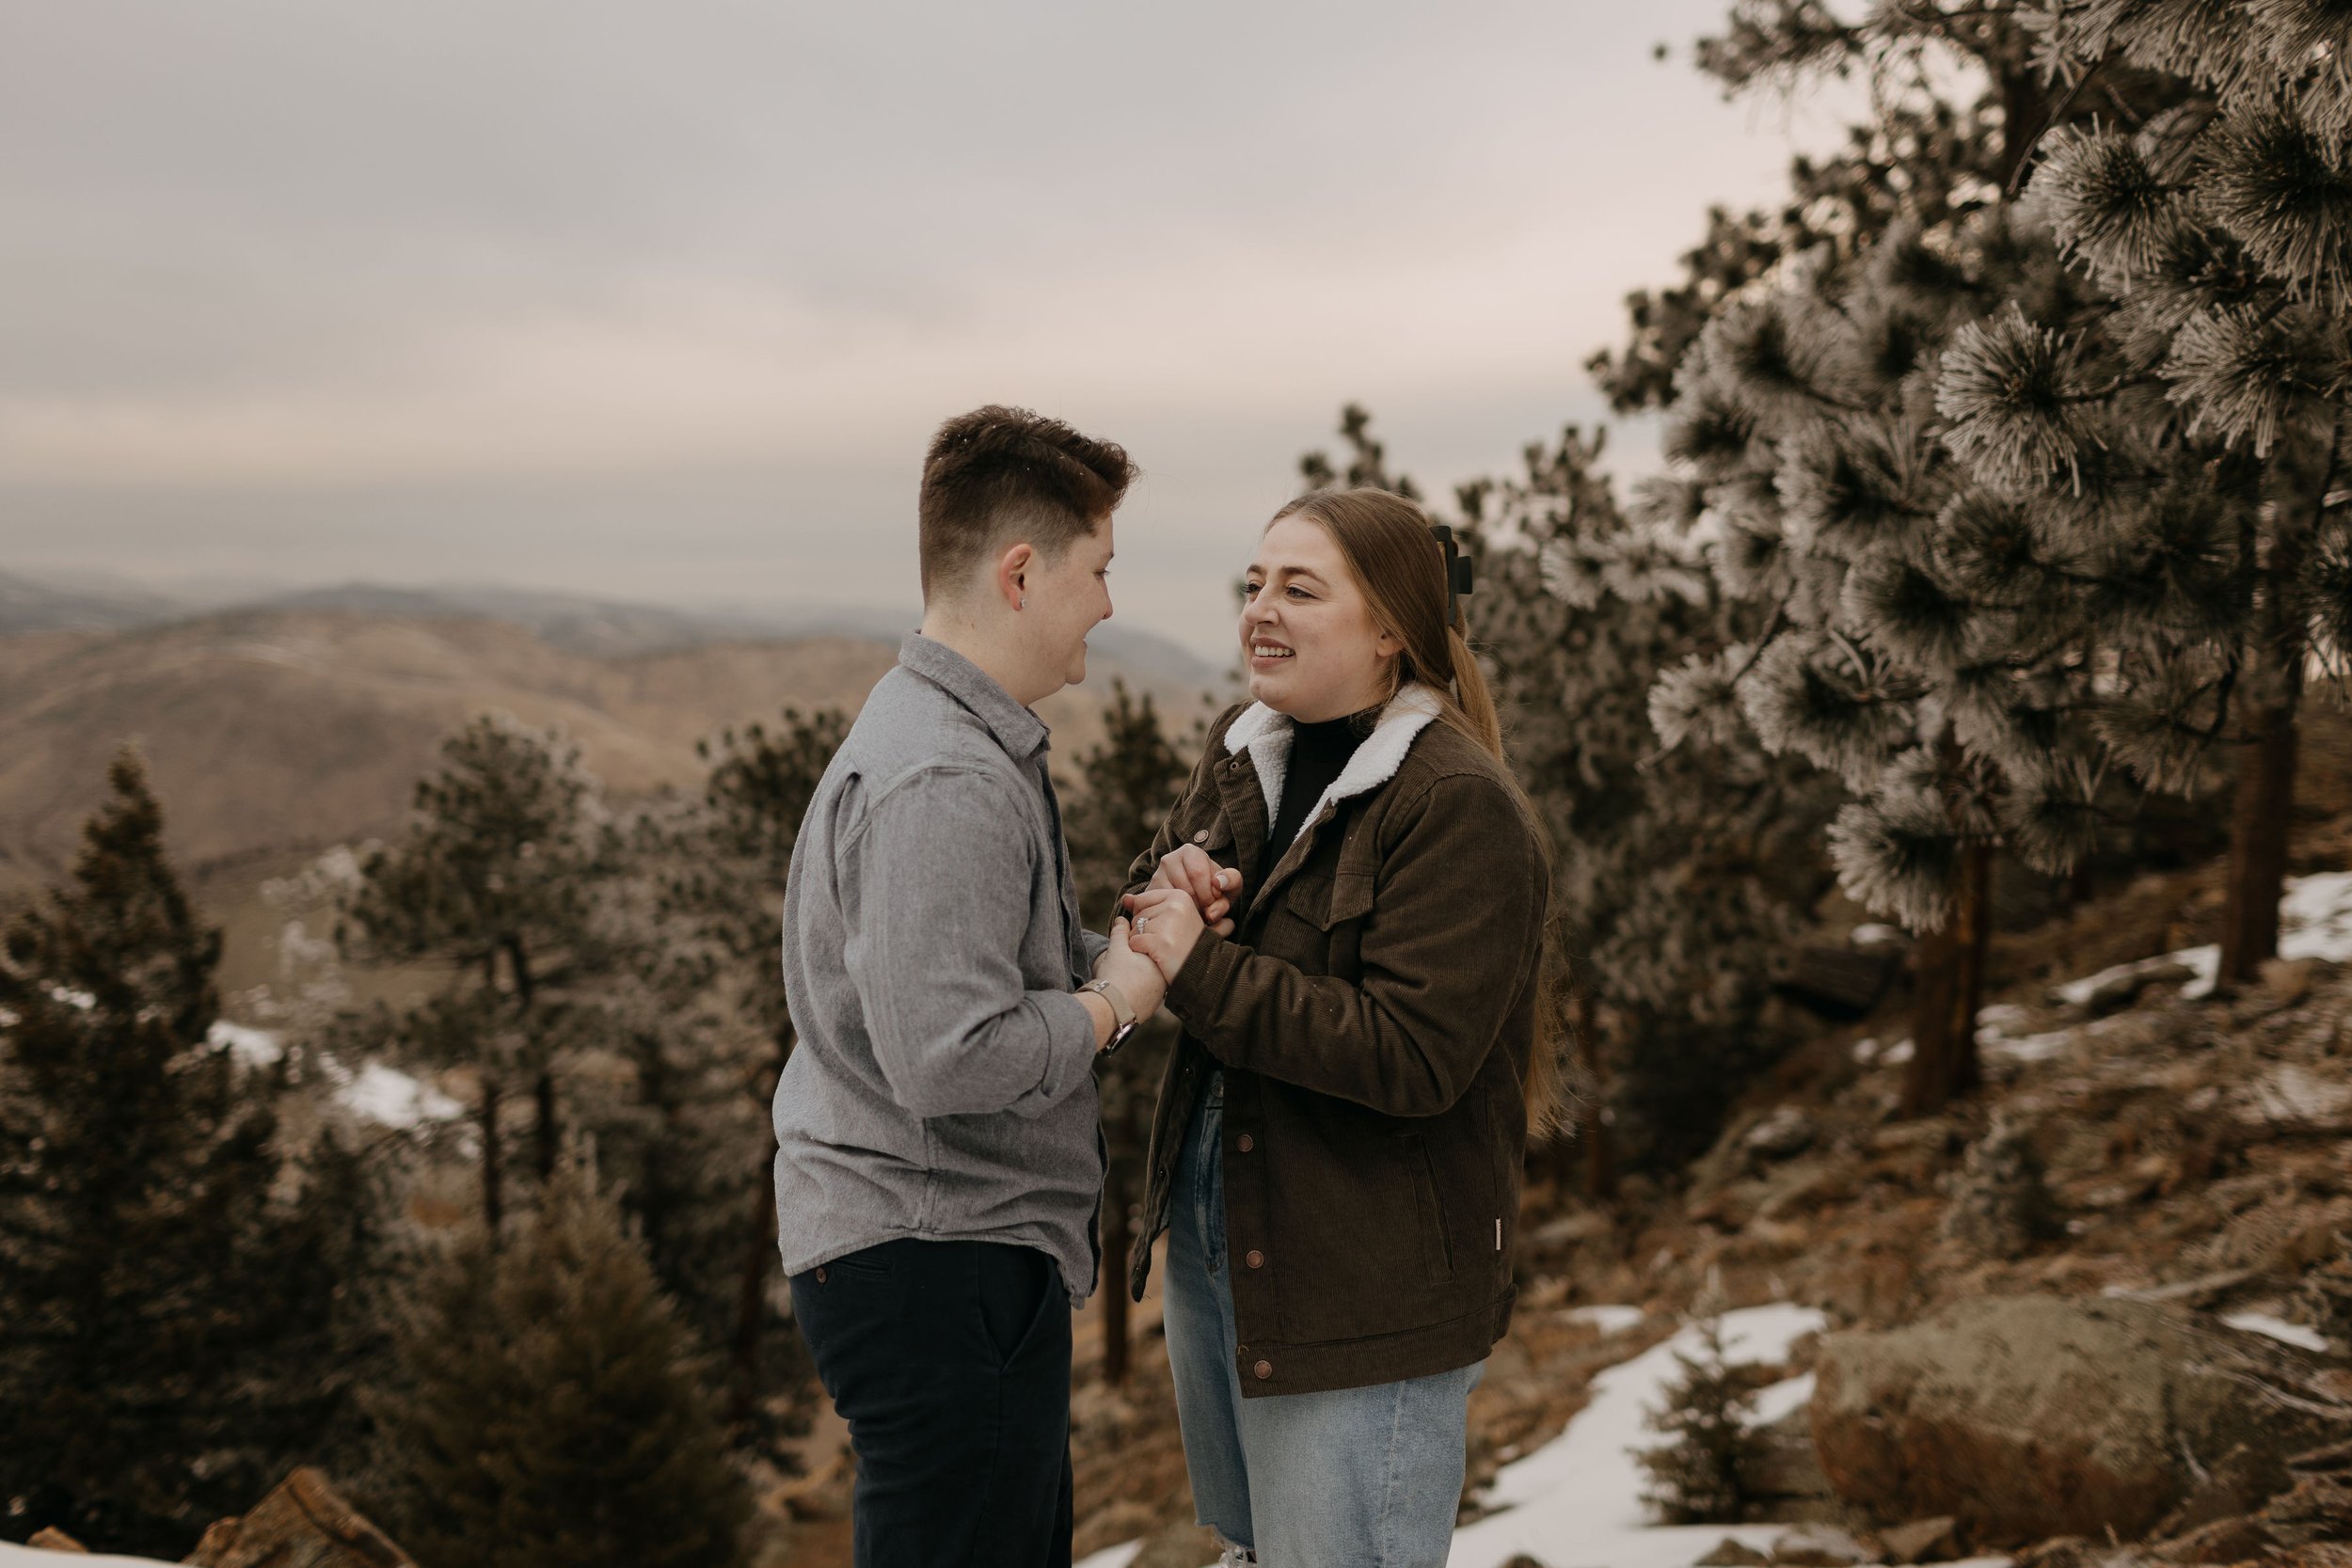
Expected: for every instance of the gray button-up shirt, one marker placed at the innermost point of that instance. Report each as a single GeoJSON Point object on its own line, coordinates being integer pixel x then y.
{"type": "Point", "coordinates": [942, 1087]}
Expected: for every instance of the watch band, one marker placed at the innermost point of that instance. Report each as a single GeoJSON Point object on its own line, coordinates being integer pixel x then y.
{"type": "Point", "coordinates": [1123, 1016]}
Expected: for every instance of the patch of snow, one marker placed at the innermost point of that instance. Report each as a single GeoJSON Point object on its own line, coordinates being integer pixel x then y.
{"type": "Point", "coordinates": [1998, 1020]}
{"type": "Point", "coordinates": [2203, 963]}
{"type": "Point", "coordinates": [2315, 917]}
{"type": "Point", "coordinates": [1112, 1557]}
{"type": "Point", "coordinates": [1896, 1053]}
{"type": "Point", "coordinates": [388, 1096]}
{"type": "Point", "coordinates": [2279, 1329]}
{"type": "Point", "coordinates": [1577, 1499]}
{"type": "Point", "coordinates": [1783, 1399]}
{"type": "Point", "coordinates": [1867, 1051]}
{"type": "Point", "coordinates": [252, 1047]}
{"type": "Point", "coordinates": [2291, 1094]}
{"type": "Point", "coordinates": [2033, 1048]}
{"type": "Point", "coordinates": [1609, 1320]}
{"type": "Point", "coordinates": [1874, 935]}
{"type": "Point", "coordinates": [2206, 961]}
{"type": "Point", "coordinates": [2314, 922]}
{"type": "Point", "coordinates": [31, 1557]}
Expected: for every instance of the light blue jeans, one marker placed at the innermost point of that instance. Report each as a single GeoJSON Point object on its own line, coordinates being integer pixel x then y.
{"type": "Point", "coordinates": [1356, 1478]}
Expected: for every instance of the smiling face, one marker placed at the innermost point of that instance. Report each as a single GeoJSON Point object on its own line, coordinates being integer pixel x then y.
{"type": "Point", "coordinates": [1312, 649]}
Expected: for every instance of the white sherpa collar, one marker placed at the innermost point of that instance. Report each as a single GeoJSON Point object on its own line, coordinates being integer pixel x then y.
{"type": "Point", "coordinates": [1265, 735]}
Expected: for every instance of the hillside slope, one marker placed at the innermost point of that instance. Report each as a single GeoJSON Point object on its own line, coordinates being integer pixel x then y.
{"type": "Point", "coordinates": [268, 731]}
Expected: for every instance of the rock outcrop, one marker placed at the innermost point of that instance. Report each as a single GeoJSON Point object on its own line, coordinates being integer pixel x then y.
{"type": "Point", "coordinates": [304, 1524]}
{"type": "Point", "coordinates": [2030, 1417]}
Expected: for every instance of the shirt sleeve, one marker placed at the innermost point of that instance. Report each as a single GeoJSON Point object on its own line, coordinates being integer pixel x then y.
{"type": "Point", "coordinates": [937, 898]}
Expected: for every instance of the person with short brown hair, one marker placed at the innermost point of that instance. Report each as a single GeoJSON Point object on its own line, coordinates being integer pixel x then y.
{"type": "Point", "coordinates": [939, 1161]}
{"type": "Point", "coordinates": [999, 468]}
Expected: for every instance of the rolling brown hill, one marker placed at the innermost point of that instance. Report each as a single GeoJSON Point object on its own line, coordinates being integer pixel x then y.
{"type": "Point", "coordinates": [270, 733]}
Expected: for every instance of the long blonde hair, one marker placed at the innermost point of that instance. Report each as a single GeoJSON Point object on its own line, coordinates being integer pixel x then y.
{"type": "Point", "coordinates": [1400, 568]}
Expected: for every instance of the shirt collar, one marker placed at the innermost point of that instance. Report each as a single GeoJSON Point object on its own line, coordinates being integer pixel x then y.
{"type": "Point", "coordinates": [1020, 733]}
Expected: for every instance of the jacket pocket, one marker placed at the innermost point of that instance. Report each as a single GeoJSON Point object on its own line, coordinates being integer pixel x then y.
{"type": "Point", "coordinates": [1351, 898]}
{"type": "Point", "coordinates": [1436, 1247]}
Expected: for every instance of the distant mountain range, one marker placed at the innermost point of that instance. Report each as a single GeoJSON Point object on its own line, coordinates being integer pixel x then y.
{"type": "Point", "coordinates": [295, 724]}
{"type": "Point", "coordinates": [576, 623]}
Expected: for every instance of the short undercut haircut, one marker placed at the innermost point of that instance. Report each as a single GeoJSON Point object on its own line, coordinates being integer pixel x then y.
{"type": "Point", "coordinates": [997, 476]}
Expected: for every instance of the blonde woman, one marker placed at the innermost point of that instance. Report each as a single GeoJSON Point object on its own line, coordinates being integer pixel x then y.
{"type": "Point", "coordinates": [1337, 1148]}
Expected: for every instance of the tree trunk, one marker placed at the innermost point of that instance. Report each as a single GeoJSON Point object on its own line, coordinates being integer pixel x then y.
{"type": "Point", "coordinates": [751, 1309]}
{"type": "Point", "coordinates": [2258, 846]}
{"type": "Point", "coordinates": [2024, 115]}
{"type": "Point", "coordinates": [759, 1255]}
{"type": "Point", "coordinates": [493, 1202]}
{"type": "Point", "coordinates": [2265, 817]}
{"type": "Point", "coordinates": [1951, 969]}
{"type": "Point", "coordinates": [544, 1092]}
{"type": "Point", "coordinates": [1116, 1249]}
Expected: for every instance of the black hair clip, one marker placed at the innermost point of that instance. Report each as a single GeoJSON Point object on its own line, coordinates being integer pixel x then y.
{"type": "Point", "coordinates": [1457, 572]}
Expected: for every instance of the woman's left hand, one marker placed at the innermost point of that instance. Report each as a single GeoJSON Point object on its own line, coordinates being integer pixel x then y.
{"type": "Point", "coordinates": [1162, 924]}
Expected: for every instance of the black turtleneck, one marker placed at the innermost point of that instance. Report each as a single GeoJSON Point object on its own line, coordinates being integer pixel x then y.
{"type": "Point", "coordinates": [1318, 752]}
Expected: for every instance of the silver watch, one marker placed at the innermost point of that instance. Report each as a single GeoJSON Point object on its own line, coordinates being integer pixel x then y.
{"type": "Point", "coordinates": [1123, 1016]}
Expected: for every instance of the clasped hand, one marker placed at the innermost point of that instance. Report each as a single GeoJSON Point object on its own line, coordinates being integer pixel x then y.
{"type": "Point", "coordinates": [1189, 894]}
{"type": "Point", "coordinates": [1151, 941]}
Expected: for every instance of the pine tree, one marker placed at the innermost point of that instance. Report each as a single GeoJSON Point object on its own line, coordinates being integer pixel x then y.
{"type": "Point", "coordinates": [2196, 427]}
{"type": "Point", "coordinates": [1920, 644]}
{"type": "Point", "coordinates": [2000, 1202]}
{"type": "Point", "coordinates": [710, 1040]}
{"type": "Point", "coordinates": [1678, 875]}
{"type": "Point", "coordinates": [170, 1320]}
{"type": "Point", "coordinates": [495, 879]}
{"type": "Point", "coordinates": [1130, 782]}
{"type": "Point", "coordinates": [1705, 1475]}
{"type": "Point", "coordinates": [549, 1411]}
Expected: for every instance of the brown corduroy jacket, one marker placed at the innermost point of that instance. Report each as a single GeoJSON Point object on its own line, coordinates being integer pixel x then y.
{"type": "Point", "coordinates": [1373, 1014]}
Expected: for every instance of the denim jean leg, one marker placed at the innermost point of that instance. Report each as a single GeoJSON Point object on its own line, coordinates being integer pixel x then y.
{"type": "Point", "coordinates": [1199, 1314]}
{"type": "Point", "coordinates": [1360, 1478]}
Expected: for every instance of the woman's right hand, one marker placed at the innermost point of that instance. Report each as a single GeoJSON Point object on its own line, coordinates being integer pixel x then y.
{"type": "Point", "coordinates": [1188, 869]}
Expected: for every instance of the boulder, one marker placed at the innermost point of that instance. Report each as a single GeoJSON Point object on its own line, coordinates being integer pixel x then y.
{"type": "Point", "coordinates": [1731, 1552]}
{"type": "Point", "coordinates": [2030, 1417]}
{"type": "Point", "coordinates": [1933, 1540]}
{"type": "Point", "coordinates": [304, 1524]}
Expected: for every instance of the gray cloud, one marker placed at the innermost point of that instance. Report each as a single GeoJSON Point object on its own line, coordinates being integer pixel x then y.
{"type": "Point", "coordinates": [665, 300]}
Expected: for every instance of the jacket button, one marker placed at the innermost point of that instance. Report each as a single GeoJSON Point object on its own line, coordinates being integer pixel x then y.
{"type": "Point", "coordinates": [1244, 1143]}
{"type": "Point", "coordinates": [1256, 1259]}
{"type": "Point", "coordinates": [1264, 1369]}
{"type": "Point", "coordinates": [1201, 837]}
{"type": "Point", "coordinates": [820, 1274]}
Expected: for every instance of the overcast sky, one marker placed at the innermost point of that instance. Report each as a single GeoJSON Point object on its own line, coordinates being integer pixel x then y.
{"type": "Point", "coordinates": [663, 301]}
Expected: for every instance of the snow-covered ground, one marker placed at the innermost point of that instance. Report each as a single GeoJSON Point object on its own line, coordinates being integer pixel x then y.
{"type": "Point", "coordinates": [2314, 922]}
{"type": "Point", "coordinates": [1577, 1501]}
{"type": "Point", "coordinates": [28, 1556]}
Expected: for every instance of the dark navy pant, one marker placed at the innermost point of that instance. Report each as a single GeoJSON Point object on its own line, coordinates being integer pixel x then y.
{"type": "Point", "coordinates": [950, 1361]}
